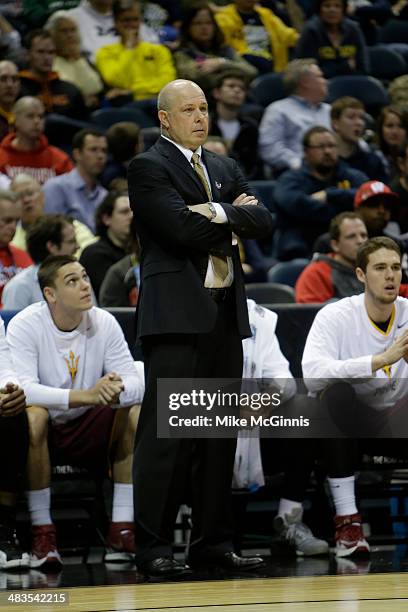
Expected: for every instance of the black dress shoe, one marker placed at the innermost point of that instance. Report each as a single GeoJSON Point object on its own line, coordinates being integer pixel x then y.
{"type": "Point", "coordinates": [227, 561]}
{"type": "Point", "coordinates": [162, 566]}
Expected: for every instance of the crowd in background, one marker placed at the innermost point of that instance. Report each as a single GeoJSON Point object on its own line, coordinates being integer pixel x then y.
{"type": "Point", "coordinates": [78, 101]}
{"type": "Point", "coordinates": [78, 89]}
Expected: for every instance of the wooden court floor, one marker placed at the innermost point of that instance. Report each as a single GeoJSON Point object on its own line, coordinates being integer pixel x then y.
{"type": "Point", "coordinates": [368, 593]}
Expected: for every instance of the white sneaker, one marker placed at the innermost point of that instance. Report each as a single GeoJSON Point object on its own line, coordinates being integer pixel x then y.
{"type": "Point", "coordinates": [297, 536]}
{"type": "Point", "coordinates": [11, 555]}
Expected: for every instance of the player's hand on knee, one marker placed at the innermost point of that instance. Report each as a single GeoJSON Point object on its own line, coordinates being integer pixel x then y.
{"type": "Point", "coordinates": [12, 400]}
{"type": "Point", "coordinates": [107, 391]}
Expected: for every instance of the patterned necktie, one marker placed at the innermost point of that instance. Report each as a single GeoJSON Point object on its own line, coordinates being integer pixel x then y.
{"type": "Point", "coordinates": [219, 264]}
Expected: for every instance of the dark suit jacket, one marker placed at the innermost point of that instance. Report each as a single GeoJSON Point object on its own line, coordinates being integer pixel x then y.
{"type": "Point", "coordinates": [176, 242]}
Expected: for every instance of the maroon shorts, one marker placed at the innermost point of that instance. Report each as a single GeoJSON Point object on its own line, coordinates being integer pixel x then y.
{"type": "Point", "coordinates": [85, 441]}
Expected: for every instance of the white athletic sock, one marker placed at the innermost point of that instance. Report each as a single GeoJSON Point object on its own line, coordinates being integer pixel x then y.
{"type": "Point", "coordinates": [39, 506]}
{"type": "Point", "coordinates": [122, 507]}
{"type": "Point", "coordinates": [287, 505]}
{"type": "Point", "coordinates": [342, 490]}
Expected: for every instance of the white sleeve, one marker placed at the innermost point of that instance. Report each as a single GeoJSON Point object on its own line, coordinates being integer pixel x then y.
{"type": "Point", "coordinates": [118, 359]}
{"type": "Point", "coordinates": [320, 359]}
{"type": "Point", "coordinates": [7, 374]}
{"type": "Point", "coordinates": [221, 215]}
{"type": "Point", "coordinates": [21, 338]}
{"type": "Point", "coordinates": [274, 363]}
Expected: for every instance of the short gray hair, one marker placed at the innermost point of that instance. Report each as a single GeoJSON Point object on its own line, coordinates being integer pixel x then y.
{"type": "Point", "coordinates": [294, 71]}
{"type": "Point", "coordinates": [5, 194]}
{"type": "Point", "coordinates": [52, 22]}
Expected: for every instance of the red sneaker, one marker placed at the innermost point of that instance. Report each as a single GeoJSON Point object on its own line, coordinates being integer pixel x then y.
{"type": "Point", "coordinates": [349, 536]}
{"type": "Point", "coordinates": [120, 542]}
{"type": "Point", "coordinates": [44, 546]}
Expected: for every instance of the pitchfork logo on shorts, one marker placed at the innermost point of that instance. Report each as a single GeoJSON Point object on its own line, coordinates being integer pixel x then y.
{"type": "Point", "coordinates": [72, 364]}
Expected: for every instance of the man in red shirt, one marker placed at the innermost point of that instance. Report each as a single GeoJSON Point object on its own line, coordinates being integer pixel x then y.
{"type": "Point", "coordinates": [27, 149]}
{"type": "Point", "coordinates": [332, 275]}
{"type": "Point", "coordinates": [12, 259]}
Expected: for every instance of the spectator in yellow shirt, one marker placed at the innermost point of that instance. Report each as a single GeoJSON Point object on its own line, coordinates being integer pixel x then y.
{"type": "Point", "coordinates": [257, 34]}
{"type": "Point", "coordinates": [131, 65]}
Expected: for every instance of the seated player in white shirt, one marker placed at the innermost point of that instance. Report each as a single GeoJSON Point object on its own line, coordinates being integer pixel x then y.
{"type": "Point", "coordinates": [355, 360]}
{"type": "Point", "coordinates": [263, 359]}
{"type": "Point", "coordinates": [13, 456]}
{"type": "Point", "coordinates": [83, 389]}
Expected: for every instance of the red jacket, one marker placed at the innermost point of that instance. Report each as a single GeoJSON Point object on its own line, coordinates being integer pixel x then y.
{"type": "Point", "coordinates": [42, 162]}
{"type": "Point", "coordinates": [12, 261]}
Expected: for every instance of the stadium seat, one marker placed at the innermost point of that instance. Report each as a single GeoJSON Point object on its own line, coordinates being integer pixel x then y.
{"type": "Point", "coordinates": [369, 90]}
{"type": "Point", "coordinates": [60, 130]}
{"type": "Point", "coordinates": [150, 135]}
{"type": "Point", "coordinates": [287, 272]}
{"type": "Point", "coordinates": [270, 293]}
{"type": "Point", "coordinates": [386, 64]}
{"type": "Point", "coordinates": [105, 117]}
{"type": "Point", "coordinates": [264, 190]}
{"type": "Point", "coordinates": [7, 315]}
{"type": "Point", "coordinates": [267, 88]}
{"type": "Point", "coordinates": [394, 31]}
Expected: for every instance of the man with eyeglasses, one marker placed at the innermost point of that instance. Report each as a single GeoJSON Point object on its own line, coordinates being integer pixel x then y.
{"type": "Point", "coordinates": [9, 91]}
{"type": "Point", "coordinates": [31, 197]}
{"type": "Point", "coordinates": [308, 198]}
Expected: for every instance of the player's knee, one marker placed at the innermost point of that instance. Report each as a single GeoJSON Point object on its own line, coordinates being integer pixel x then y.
{"type": "Point", "coordinates": [37, 424]}
{"type": "Point", "coordinates": [133, 418]}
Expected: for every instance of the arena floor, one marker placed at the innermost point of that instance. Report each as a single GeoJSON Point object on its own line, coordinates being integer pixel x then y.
{"type": "Point", "coordinates": [376, 584]}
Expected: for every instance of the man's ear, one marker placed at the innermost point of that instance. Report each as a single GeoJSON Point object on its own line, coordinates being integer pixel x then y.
{"type": "Point", "coordinates": [49, 295]}
{"type": "Point", "coordinates": [334, 246]}
{"type": "Point", "coordinates": [360, 275]}
{"type": "Point", "coordinates": [106, 219]}
{"type": "Point", "coordinates": [51, 247]}
{"type": "Point", "coordinates": [75, 155]}
{"type": "Point", "coordinates": [163, 118]}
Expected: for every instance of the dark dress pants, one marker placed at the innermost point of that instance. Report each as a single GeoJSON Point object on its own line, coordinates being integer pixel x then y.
{"type": "Point", "coordinates": [164, 469]}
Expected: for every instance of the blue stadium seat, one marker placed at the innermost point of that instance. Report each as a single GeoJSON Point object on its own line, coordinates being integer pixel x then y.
{"type": "Point", "coordinates": [105, 117]}
{"type": "Point", "coordinates": [7, 315]}
{"type": "Point", "coordinates": [264, 190]}
{"type": "Point", "coordinates": [386, 64]}
{"type": "Point", "coordinates": [369, 90]}
{"type": "Point", "coordinates": [268, 88]}
{"type": "Point", "coordinates": [150, 135]}
{"type": "Point", "coordinates": [287, 272]}
{"type": "Point", "coordinates": [60, 130]}
{"type": "Point", "coordinates": [270, 293]}
{"type": "Point", "coordinates": [394, 31]}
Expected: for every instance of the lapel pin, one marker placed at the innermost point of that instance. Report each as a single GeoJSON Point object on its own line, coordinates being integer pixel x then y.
{"type": "Point", "coordinates": [218, 185]}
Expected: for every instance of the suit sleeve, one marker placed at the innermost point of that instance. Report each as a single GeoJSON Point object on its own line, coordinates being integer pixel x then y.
{"type": "Point", "coordinates": [246, 221]}
{"type": "Point", "coordinates": [157, 204]}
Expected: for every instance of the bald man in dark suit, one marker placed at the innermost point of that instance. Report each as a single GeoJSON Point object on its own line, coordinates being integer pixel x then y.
{"type": "Point", "coordinates": [188, 205]}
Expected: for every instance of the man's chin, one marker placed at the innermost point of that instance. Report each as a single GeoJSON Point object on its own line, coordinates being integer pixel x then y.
{"type": "Point", "coordinates": [389, 298]}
